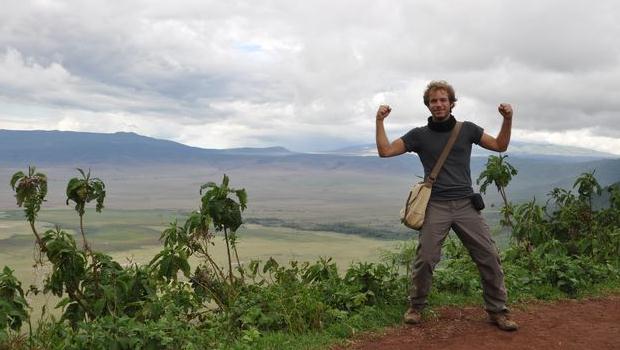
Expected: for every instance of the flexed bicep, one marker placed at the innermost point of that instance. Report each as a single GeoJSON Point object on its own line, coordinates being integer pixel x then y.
{"type": "Point", "coordinates": [397, 147]}
{"type": "Point", "coordinates": [384, 147]}
{"type": "Point", "coordinates": [489, 142]}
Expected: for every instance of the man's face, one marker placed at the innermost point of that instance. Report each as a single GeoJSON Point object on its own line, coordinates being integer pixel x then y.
{"type": "Point", "coordinates": [439, 104]}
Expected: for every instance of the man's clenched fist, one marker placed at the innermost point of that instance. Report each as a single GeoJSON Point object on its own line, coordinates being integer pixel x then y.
{"type": "Point", "coordinates": [505, 109]}
{"type": "Point", "coordinates": [383, 112]}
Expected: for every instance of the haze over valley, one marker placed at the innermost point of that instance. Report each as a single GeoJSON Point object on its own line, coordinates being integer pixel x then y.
{"type": "Point", "coordinates": [330, 191]}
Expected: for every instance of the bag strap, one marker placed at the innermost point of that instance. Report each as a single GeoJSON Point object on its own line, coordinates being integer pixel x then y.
{"type": "Point", "coordinates": [444, 154]}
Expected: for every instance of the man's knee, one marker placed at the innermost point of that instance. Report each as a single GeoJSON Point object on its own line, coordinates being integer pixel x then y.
{"type": "Point", "coordinates": [427, 260]}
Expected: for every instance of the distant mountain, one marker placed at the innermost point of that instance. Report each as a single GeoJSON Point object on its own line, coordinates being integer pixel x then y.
{"type": "Point", "coordinates": [517, 149]}
{"type": "Point", "coordinates": [44, 147]}
{"type": "Point", "coordinates": [21, 148]}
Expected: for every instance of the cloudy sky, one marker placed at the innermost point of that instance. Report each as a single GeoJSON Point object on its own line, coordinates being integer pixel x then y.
{"type": "Point", "coordinates": [309, 75]}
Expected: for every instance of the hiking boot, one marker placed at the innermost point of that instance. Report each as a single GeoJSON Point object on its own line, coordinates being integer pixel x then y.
{"type": "Point", "coordinates": [412, 316]}
{"type": "Point", "coordinates": [503, 321]}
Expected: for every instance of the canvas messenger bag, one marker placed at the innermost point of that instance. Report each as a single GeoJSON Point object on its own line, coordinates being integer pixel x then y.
{"type": "Point", "coordinates": [412, 215]}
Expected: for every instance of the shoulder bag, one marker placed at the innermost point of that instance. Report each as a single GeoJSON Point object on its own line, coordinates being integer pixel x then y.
{"type": "Point", "coordinates": [412, 215]}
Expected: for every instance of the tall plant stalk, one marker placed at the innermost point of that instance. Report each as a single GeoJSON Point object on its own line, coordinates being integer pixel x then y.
{"type": "Point", "coordinates": [84, 241]}
{"type": "Point", "coordinates": [230, 271]}
{"type": "Point", "coordinates": [234, 246]}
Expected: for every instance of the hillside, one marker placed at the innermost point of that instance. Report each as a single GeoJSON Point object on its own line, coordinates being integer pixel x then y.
{"type": "Point", "coordinates": [309, 191]}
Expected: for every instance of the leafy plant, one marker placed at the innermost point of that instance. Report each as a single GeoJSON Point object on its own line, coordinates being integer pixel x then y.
{"type": "Point", "coordinates": [614, 196]}
{"type": "Point", "coordinates": [225, 213]}
{"type": "Point", "coordinates": [30, 191]}
{"type": "Point", "coordinates": [402, 255]}
{"type": "Point", "coordinates": [82, 191]}
{"type": "Point", "coordinates": [529, 228]}
{"type": "Point", "coordinates": [69, 267]}
{"type": "Point", "coordinates": [498, 172]}
{"type": "Point", "coordinates": [13, 305]}
{"type": "Point", "coordinates": [587, 186]}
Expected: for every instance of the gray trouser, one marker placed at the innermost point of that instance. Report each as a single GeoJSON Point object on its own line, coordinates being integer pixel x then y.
{"type": "Point", "coordinates": [472, 230]}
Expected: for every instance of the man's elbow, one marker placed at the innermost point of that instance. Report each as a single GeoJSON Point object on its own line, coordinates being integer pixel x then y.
{"type": "Point", "coordinates": [502, 148]}
{"type": "Point", "coordinates": [494, 146]}
{"type": "Point", "coordinates": [384, 153]}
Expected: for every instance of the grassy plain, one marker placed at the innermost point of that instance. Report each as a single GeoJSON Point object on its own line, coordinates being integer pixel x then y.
{"type": "Point", "coordinates": [368, 200]}
{"type": "Point", "coordinates": [132, 236]}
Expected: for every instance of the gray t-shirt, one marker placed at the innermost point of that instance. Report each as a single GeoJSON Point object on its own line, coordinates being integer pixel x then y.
{"type": "Point", "coordinates": [454, 179]}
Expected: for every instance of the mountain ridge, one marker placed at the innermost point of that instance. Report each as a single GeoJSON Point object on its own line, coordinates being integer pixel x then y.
{"type": "Point", "coordinates": [53, 146]}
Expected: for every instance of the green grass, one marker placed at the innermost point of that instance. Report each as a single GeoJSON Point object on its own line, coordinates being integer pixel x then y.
{"type": "Point", "coordinates": [368, 320]}
{"type": "Point", "coordinates": [129, 232]}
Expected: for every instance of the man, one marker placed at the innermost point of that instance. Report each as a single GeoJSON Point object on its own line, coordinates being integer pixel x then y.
{"type": "Point", "coordinates": [450, 204]}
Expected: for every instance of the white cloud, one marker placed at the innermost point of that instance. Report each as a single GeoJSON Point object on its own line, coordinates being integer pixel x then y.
{"type": "Point", "coordinates": [581, 138]}
{"type": "Point", "coordinates": [308, 75]}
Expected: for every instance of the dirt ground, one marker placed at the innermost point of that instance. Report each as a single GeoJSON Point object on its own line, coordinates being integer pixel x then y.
{"type": "Point", "coordinates": [584, 324]}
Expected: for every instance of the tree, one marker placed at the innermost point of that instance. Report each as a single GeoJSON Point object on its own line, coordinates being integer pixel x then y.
{"type": "Point", "coordinates": [83, 191]}
{"type": "Point", "coordinates": [498, 172]}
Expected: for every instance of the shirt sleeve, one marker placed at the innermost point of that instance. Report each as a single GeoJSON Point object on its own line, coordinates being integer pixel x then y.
{"type": "Point", "coordinates": [475, 132]}
{"type": "Point", "coordinates": [411, 141]}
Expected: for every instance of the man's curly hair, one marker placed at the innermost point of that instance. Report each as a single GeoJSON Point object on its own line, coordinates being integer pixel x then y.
{"type": "Point", "coordinates": [439, 85]}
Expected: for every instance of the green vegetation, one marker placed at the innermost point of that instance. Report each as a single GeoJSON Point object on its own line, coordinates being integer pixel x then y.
{"type": "Point", "coordinates": [498, 172]}
{"type": "Point", "coordinates": [30, 191]}
{"type": "Point", "coordinates": [186, 298]}
{"type": "Point", "coordinates": [83, 191]}
{"type": "Point", "coordinates": [13, 306]}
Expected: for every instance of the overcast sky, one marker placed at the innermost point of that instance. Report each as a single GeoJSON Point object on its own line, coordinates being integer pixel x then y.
{"type": "Point", "coordinates": [309, 75]}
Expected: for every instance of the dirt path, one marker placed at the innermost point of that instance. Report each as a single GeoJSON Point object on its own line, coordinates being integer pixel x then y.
{"type": "Point", "coordinates": [585, 324]}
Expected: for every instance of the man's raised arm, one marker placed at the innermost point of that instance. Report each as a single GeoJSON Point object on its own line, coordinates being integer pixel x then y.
{"type": "Point", "coordinates": [384, 147]}
{"type": "Point", "coordinates": [499, 143]}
